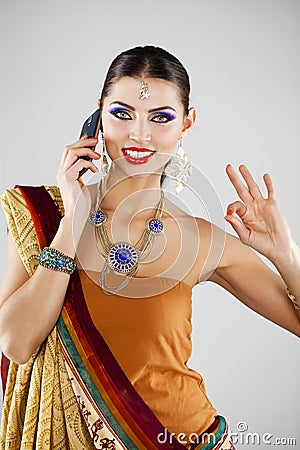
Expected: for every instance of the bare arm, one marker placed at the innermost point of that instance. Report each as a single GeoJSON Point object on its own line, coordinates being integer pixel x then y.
{"type": "Point", "coordinates": [248, 278]}
{"type": "Point", "coordinates": [29, 307]}
{"type": "Point", "coordinates": [260, 224]}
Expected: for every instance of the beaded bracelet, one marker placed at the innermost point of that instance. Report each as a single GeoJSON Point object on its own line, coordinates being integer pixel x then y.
{"type": "Point", "coordinates": [293, 299]}
{"type": "Point", "coordinates": [56, 260]}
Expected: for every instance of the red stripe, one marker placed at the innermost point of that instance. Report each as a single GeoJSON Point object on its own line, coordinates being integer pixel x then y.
{"type": "Point", "coordinates": [137, 414]}
{"type": "Point", "coordinates": [4, 371]}
{"type": "Point", "coordinates": [102, 379]}
{"type": "Point", "coordinates": [35, 217]}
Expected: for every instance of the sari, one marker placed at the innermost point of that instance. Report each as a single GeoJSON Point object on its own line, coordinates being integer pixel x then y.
{"type": "Point", "coordinates": [72, 393]}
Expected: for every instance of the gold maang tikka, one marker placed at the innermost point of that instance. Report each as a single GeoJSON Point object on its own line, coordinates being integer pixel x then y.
{"type": "Point", "coordinates": [144, 91]}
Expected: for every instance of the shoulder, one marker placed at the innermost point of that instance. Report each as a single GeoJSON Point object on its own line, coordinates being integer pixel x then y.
{"type": "Point", "coordinates": [222, 250]}
{"type": "Point", "coordinates": [215, 245]}
{"type": "Point", "coordinates": [212, 241]}
{"type": "Point", "coordinates": [210, 233]}
{"type": "Point", "coordinates": [233, 259]}
{"type": "Point", "coordinates": [17, 194]}
{"type": "Point", "coordinates": [55, 194]}
{"type": "Point", "coordinates": [12, 199]}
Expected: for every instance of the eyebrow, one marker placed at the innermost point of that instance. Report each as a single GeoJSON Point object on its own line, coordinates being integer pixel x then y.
{"type": "Point", "coordinates": [150, 110]}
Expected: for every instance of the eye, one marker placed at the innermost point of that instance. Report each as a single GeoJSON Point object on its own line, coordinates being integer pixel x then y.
{"type": "Point", "coordinates": [162, 118]}
{"type": "Point", "coordinates": [121, 114]}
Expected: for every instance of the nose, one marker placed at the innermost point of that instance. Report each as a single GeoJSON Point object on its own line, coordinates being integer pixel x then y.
{"type": "Point", "coordinates": [139, 131]}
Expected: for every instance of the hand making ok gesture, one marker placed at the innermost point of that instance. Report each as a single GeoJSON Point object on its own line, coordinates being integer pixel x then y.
{"type": "Point", "coordinates": [259, 221]}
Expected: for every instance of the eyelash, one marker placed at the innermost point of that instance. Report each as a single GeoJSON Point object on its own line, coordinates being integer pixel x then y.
{"type": "Point", "coordinates": [168, 119]}
{"type": "Point", "coordinates": [118, 113]}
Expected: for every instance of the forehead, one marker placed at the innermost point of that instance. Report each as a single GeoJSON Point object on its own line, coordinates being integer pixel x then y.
{"type": "Point", "coordinates": [127, 90]}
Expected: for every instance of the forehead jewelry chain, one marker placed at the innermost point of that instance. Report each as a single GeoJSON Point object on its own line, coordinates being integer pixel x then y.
{"type": "Point", "coordinates": [144, 91]}
{"type": "Point", "coordinates": [122, 257]}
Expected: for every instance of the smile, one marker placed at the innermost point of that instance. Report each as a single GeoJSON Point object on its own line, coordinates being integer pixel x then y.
{"type": "Point", "coordinates": [136, 155]}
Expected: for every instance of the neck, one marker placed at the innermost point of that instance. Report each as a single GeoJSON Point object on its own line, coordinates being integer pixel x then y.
{"type": "Point", "coordinates": [130, 195]}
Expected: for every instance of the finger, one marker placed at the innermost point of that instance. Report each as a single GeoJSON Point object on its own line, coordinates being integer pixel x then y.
{"type": "Point", "coordinates": [240, 188]}
{"type": "Point", "coordinates": [236, 208]}
{"type": "Point", "coordinates": [252, 186]}
{"type": "Point", "coordinates": [88, 142]}
{"type": "Point", "coordinates": [269, 185]}
{"type": "Point", "coordinates": [239, 228]}
{"type": "Point", "coordinates": [74, 154]}
{"type": "Point", "coordinates": [73, 172]}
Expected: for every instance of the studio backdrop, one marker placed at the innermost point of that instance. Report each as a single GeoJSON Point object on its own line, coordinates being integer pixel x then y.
{"type": "Point", "coordinates": [243, 60]}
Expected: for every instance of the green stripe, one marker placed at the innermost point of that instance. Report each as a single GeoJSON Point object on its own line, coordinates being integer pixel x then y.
{"type": "Point", "coordinates": [222, 427]}
{"type": "Point", "coordinates": [91, 386]}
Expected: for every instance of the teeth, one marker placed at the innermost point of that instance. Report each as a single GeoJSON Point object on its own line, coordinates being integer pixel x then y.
{"type": "Point", "coordinates": [137, 155]}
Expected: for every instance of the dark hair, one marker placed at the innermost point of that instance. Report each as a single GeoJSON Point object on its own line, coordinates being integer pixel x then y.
{"type": "Point", "coordinates": [151, 62]}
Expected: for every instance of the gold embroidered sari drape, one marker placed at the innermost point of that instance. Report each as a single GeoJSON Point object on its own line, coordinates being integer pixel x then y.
{"type": "Point", "coordinates": [40, 410]}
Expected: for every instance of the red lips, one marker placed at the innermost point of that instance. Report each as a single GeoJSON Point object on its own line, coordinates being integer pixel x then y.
{"type": "Point", "coordinates": [141, 160]}
{"type": "Point", "coordinates": [138, 149]}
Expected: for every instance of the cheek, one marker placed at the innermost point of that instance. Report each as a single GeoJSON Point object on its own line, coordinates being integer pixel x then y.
{"type": "Point", "coordinates": [163, 138]}
{"type": "Point", "coordinates": [166, 138]}
{"type": "Point", "coordinates": [114, 134]}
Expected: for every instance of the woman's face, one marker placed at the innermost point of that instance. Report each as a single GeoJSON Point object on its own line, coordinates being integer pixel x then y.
{"type": "Point", "coordinates": [140, 130]}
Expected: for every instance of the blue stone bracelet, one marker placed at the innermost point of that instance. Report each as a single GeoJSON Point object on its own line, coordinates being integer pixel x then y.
{"type": "Point", "coordinates": [56, 260]}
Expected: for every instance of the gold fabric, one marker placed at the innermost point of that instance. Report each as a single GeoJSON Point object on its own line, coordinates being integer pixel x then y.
{"type": "Point", "coordinates": [21, 226]}
{"type": "Point", "coordinates": [40, 410]}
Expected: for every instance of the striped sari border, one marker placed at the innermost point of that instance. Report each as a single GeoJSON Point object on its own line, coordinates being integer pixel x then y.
{"type": "Point", "coordinates": [111, 395]}
{"type": "Point", "coordinates": [86, 382]}
{"type": "Point", "coordinates": [212, 438]}
{"type": "Point", "coordinates": [100, 371]}
{"type": "Point", "coordinates": [94, 349]}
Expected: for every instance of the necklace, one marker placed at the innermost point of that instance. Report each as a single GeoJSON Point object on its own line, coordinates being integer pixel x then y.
{"type": "Point", "coordinates": [123, 257]}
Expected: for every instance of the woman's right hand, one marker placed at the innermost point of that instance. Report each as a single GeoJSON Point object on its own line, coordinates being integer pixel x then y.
{"type": "Point", "coordinates": [70, 166]}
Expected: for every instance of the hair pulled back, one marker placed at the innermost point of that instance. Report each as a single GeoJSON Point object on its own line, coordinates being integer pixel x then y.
{"type": "Point", "coordinates": [152, 62]}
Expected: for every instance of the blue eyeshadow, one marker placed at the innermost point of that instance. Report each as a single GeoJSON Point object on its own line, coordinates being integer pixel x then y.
{"type": "Point", "coordinates": [171, 116]}
{"type": "Point", "coordinates": [116, 109]}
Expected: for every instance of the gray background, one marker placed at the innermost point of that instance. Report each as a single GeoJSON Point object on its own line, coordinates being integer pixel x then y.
{"type": "Point", "coordinates": [243, 59]}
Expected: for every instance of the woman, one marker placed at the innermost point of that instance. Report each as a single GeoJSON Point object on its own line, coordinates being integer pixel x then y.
{"type": "Point", "coordinates": [100, 356]}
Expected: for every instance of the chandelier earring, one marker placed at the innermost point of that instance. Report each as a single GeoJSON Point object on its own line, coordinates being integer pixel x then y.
{"type": "Point", "coordinates": [103, 161]}
{"type": "Point", "coordinates": [179, 168]}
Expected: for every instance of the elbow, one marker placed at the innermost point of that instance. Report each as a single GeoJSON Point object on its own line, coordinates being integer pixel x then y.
{"type": "Point", "coordinates": [15, 351]}
{"type": "Point", "coordinates": [16, 343]}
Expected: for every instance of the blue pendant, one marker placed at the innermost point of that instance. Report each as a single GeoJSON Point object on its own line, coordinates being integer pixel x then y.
{"type": "Point", "coordinates": [155, 226]}
{"type": "Point", "coordinates": [123, 257]}
{"type": "Point", "coordinates": [98, 217]}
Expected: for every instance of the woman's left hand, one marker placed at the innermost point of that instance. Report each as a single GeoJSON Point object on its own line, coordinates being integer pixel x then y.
{"type": "Point", "coordinates": [260, 222]}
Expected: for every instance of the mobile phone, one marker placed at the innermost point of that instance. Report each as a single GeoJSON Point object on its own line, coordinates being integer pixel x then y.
{"type": "Point", "coordinates": [90, 127]}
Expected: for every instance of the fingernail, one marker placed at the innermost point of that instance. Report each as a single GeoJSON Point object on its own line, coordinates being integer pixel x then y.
{"type": "Point", "coordinates": [230, 212]}
{"type": "Point", "coordinates": [84, 135]}
{"type": "Point", "coordinates": [94, 139]}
